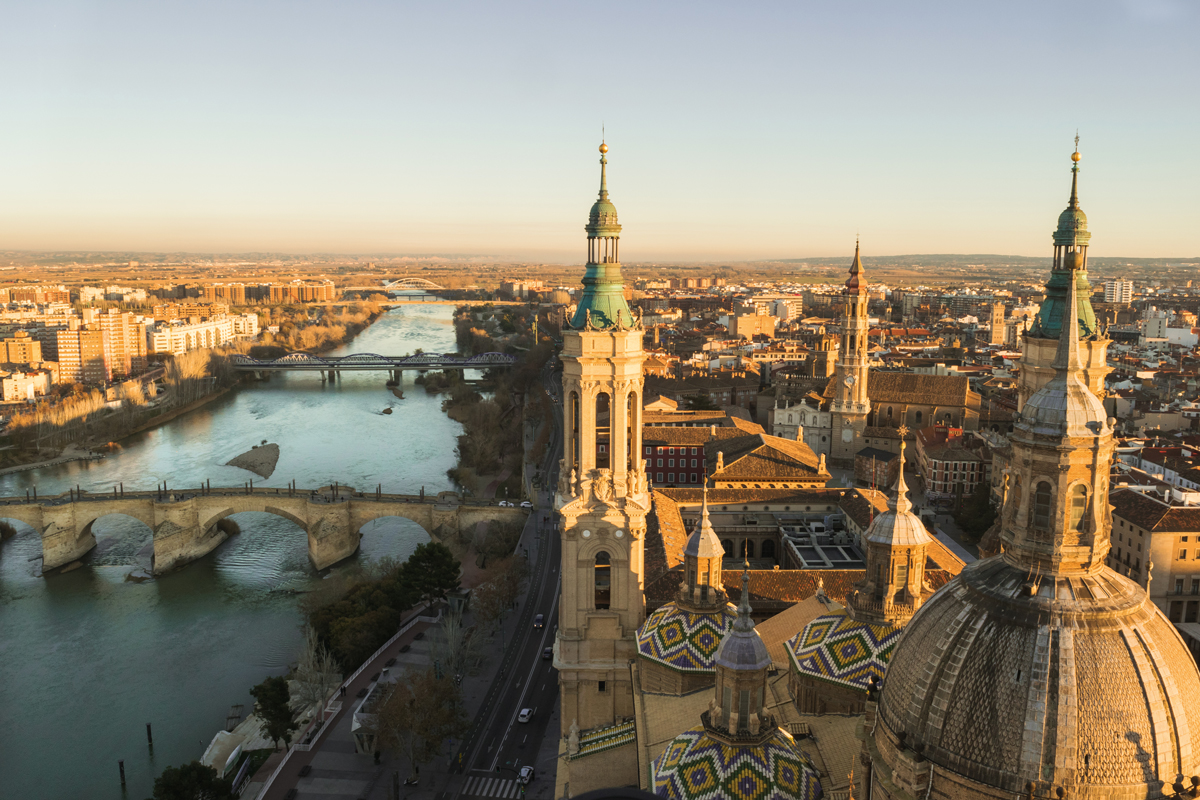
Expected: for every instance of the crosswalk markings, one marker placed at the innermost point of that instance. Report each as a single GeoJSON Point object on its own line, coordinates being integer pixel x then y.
{"type": "Point", "coordinates": [478, 786]}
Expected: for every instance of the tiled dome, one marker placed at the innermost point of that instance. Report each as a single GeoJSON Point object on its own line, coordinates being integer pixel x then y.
{"type": "Point", "coordinates": [839, 649]}
{"type": "Point", "coordinates": [685, 640]}
{"type": "Point", "coordinates": [697, 766]}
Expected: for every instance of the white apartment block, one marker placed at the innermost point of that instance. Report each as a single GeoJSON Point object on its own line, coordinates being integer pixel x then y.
{"type": "Point", "coordinates": [1118, 291]}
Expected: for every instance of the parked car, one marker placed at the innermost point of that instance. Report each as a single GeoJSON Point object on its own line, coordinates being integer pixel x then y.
{"type": "Point", "coordinates": [526, 776]}
{"type": "Point", "coordinates": [526, 504]}
{"type": "Point", "coordinates": [525, 715]}
{"type": "Point", "coordinates": [548, 654]}
{"type": "Point", "coordinates": [539, 621]}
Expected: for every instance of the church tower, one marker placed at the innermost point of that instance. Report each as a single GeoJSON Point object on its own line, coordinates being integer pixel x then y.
{"type": "Point", "coordinates": [602, 495]}
{"type": "Point", "coordinates": [1071, 240]}
{"type": "Point", "coordinates": [850, 405]}
{"type": "Point", "coordinates": [1040, 672]}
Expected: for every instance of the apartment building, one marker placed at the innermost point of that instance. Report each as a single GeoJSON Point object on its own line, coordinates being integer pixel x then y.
{"type": "Point", "coordinates": [1118, 291]}
{"type": "Point", "coordinates": [21, 348]}
{"type": "Point", "coordinates": [83, 355]}
{"type": "Point", "coordinates": [24, 386]}
{"type": "Point", "coordinates": [126, 339]}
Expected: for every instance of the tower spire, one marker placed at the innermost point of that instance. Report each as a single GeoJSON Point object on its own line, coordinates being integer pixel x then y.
{"type": "Point", "coordinates": [900, 503]}
{"type": "Point", "coordinates": [1074, 202]}
{"type": "Point", "coordinates": [603, 170]}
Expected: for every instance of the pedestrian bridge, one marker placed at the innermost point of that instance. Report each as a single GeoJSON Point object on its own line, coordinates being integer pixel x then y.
{"type": "Point", "coordinates": [371, 361]}
{"type": "Point", "coordinates": [185, 521]}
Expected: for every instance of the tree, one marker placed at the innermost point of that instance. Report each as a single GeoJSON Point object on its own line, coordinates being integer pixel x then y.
{"type": "Point", "coordinates": [699, 402]}
{"type": "Point", "coordinates": [317, 673]}
{"type": "Point", "coordinates": [272, 704]}
{"type": "Point", "coordinates": [417, 715]}
{"type": "Point", "coordinates": [433, 570]}
{"type": "Point", "coordinates": [193, 781]}
{"type": "Point", "coordinates": [454, 646]}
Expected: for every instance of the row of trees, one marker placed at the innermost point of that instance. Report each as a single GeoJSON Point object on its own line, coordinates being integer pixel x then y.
{"type": "Point", "coordinates": [356, 623]}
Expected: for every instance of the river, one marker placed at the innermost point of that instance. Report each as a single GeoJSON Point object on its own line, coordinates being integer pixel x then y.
{"type": "Point", "coordinates": [87, 658]}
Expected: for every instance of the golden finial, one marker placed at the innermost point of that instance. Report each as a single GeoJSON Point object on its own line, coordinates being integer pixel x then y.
{"type": "Point", "coordinates": [603, 148]}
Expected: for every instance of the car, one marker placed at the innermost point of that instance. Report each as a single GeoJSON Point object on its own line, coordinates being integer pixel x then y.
{"type": "Point", "coordinates": [526, 776]}
{"type": "Point", "coordinates": [548, 654]}
{"type": "Point", "coordinates": [526, 504]}
{"type": "Point", "coordinates": [525, 715]}
{"type": "Point", "coordinates": [539, 621]}
{"type": "Point", "coordinates": [412, 780]}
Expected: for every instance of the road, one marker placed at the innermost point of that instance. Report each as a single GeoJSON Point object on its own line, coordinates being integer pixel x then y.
{"type": "Point", "coordinates": [498, 745]}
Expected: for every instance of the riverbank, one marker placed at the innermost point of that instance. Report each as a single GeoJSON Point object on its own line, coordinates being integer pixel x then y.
{"type": "Point", "coordinates": [71, 452]}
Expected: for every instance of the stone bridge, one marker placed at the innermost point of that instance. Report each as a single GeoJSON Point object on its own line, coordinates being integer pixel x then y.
{"type": "Point", "coordinates": [185, 522]}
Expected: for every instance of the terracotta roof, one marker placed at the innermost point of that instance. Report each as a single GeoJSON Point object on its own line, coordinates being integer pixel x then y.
{"type": "Point", "coordinates": [907, 387]}
{"type": "Point", "coordinates": [881, 432]}
{"type": "Point", "coordinates": [858, 504]}
{"type": "Point", "coordinates": [762, 458]}
{"type": "Point", "coordinates": [722, 497]}
{"type": "Point", "coordinates": [687, 437]}
{"type": "Point", "coordinates": [1153, 515]}
{"type": "Point", "coordinates": [745, 425]}
{"type": "Point", "coordinates": [665, 538]}
{"type": "Point", "coordinates": [943, 557]}
{"type": "Point", "coordinates": [663, 417]}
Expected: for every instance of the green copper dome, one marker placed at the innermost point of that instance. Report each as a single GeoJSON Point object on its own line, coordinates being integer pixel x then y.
{"type": "Point", "coordinates": [1070, 245]}
{"type": "Point", "coordinates": [602, 304]}
{"type": "Point", "coordinates": [1072, 222]}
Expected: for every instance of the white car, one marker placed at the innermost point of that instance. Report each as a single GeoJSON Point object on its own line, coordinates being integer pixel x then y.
{"type": "Point", "coordinates": [525, 715]}
{"type": "Point", "coordinates": [526, 776]}
{"type": "Point", "coordinates": [526, 504]}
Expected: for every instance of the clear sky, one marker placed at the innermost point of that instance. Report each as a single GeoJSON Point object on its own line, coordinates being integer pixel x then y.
{"type": "Point", "coordinates": [737, 130]}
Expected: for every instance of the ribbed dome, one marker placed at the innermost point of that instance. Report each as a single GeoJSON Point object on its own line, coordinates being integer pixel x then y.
{"type": "Point", "coordinates": [1072, 227]}
{"type": "Point", "coordinates": [603, 213]}
{"type": "Point", "coordinates": [685, 640]}
{"type": "Point", "coordinates": [703, 543]}
{"type": "Point", "coordinates": [1064, 406]}
{"type": "Point", "coordinates": [1085, 683]}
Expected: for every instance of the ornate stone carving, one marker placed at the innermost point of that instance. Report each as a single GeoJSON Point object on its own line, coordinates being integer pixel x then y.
{"type": "Point", "coordinates": [602, 486]}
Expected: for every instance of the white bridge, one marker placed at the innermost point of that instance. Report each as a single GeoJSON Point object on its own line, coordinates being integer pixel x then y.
{"type": "Point", "coordinates": [372, 361]}
{"type": "Point", "coordinates": [403, 284]}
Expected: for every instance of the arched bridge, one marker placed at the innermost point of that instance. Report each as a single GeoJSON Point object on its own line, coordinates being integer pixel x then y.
{"type": "Point", "coordinates": [412, 283]}
{"type": "Point", "coordinates": [371, 361]}
{"type": "Point", "coordinates": [184, 522]}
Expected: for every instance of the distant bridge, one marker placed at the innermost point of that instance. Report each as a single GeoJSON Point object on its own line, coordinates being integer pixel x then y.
{"type": "Point", "coordinates": [306, 362]}
{"type": "Point", "coordinates": [186, 522]}
{"type": "Point", "coordinates": [412, 283]}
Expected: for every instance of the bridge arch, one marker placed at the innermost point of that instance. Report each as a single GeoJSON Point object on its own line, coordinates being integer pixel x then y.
{"type": "Point", "coordinates": [117, 540]}
{"type": "Point", "coordinates": [263, 508]}
{"type": "Point", "coordinates": [412, 283]}
{"type": "Point", "coordinates": [391, 535]}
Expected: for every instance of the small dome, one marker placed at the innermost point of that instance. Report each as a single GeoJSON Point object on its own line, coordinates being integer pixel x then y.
{"type": "Point", "coordinates": [1063, 407]}
{"type": "Point", "coordinates": [696, 766]}
{"type": "Point", "coordinates": [603, 213]}
{"type": "Point", "coordinates": [685, 640]}
{"type": "Point", "coordinates": [1083, 684]}
{"type": "Point", "coordinates": [901, 528]}
{"type": "Point", "coordinates": [703, 543]}
{"type": "Point", "coordinates": [1072, 224]}
{"type": "Point", "coordinates": [743, 649]}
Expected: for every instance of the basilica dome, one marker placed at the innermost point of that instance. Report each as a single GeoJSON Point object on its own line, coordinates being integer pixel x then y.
{"type": "Point", "coordinates": [1069, 681]}
{"type": "Point", "coordinates": [683, 639]}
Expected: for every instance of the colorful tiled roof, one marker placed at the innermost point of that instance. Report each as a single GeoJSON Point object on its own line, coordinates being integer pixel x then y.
{"type": "Point", "coordinates": [685, 640]}
{"type": "Point", "coordinates": [601, 739]}
{"type": "Point", "coordinates": [696, 766]}
{"type": "Point", "coordinates": [838, 649]}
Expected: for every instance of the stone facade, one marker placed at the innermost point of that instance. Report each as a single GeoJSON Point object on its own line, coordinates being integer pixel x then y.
{"type": "Point", "coordinates": [850, 405]}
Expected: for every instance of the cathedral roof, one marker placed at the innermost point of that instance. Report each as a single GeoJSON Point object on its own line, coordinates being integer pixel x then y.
{"type": "Point", "coordinates": [703, 543]}
{"type": "Point", "coordinates": [684, 640]}
{"type": "Point", "coordinates": [839, 649]}
{"type": "Point", "coordinates": [697, 766]}
{"type": "Point", "coordinates": [759, 457]}
{"type": "Point", "coordinates": [1083, 683]}
{"type": "Point", "coordinates": [908, 387]}
{"type": "Point", "coordinates": [743, 649]}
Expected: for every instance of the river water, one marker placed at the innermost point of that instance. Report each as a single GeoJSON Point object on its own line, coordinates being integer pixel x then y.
{"type": "Point", "coordinates": [88, 657]}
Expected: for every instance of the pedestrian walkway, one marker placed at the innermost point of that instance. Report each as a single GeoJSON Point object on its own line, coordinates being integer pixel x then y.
{"type": "Point", "coordinates": [484, 786]}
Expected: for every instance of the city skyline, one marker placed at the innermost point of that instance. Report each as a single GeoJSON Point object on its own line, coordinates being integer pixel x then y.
{"type": "Point", "coordinates": [753, 134]}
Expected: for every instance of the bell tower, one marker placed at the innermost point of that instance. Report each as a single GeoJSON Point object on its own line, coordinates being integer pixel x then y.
{"type": "Point", "coordinates": [603, 495]}
{"type": "Point", "coordinates": [850, 404]}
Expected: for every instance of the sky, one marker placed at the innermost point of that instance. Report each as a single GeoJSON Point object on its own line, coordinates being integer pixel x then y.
{"type": "Point", "coordinates": [737, 130]}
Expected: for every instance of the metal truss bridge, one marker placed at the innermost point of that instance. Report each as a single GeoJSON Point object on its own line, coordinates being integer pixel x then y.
{"type": "Point", "coordinates": [412, 283]}
{"type": "Point", "coordinates": [372, 361]}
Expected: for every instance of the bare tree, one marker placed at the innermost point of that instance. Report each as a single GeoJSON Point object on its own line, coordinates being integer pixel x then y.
{"type": "Point", "coordinates": [455, 647]}
{"type": "Point", "coordinates": [417, 715]}
{"type": "Point", "coordinates": [317, 674]}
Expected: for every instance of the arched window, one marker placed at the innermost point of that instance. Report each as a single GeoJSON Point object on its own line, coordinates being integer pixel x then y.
{"type": "Point", "coordinates": [768, 549]}
{"type": "Point", "coordinates": [632, 428]}
{"type": "Point", "coordinates": [747, 549]}
{"type": "Point", "coordinates": [918, 417]}
{"type": "Point", "coordinates": [1079, 498]}
{"type": "Point", "coordinates": [727, 546]}
{"type": "Point", "coordinates": [603, 413]}
{"type": "Point", "coordinates": [889, 412]}
{"type": "Point", "coordinates": [603, 571]}
{"type": "Point", "coordinates": [1043, 502]}
{"type": "Point", "coordinates": [573, 411]}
